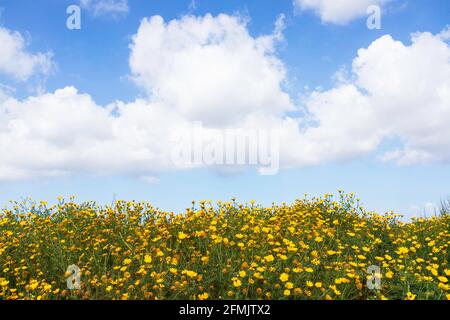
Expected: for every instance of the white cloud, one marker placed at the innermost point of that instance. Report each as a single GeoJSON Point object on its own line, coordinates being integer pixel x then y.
{"type": "Point", "coordinates": [111, 8]}
{"type": "Point", "coordinates": [340, 128]}
{"type": "Point", "coordinates": [337, 11]}
{"type": "Point", "coordinates": [209, 68]}
{"type": "Point", "coordinates": [15, 61]}
{"type": "Point", "coordinates": [5, 92]}
{"type": "Point", "coordinates": [445, 34]}
{"type": "Point", "coordinates": [206, 68]}
{"type": "Point", "coordinates": [400, 91]}
{"type": "Point", "coordinates": [65, 132]}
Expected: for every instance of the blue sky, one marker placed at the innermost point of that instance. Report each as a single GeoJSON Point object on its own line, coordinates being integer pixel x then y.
{"type": "Point", "coordinates": [96, 61]}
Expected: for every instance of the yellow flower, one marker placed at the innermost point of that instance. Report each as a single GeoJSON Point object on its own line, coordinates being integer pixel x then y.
{"type": "Point", "coordinates": [182, 235]}
{"type": "Point", "coordinates": [443, 279]}
{"type": "Point", "coordinates": [269, 258]}
{"type": "Point", "coordinates": [297, 270]}
{"type": "Point", "coordinates": [310, 283]}
{"type": "Point", "coordinates": [335, 290]}
{"type": "Point", "coordinates": [147, 259]}
{"type": "Point", "coordinates": [444, 286]}
{"type": "Point", "coordinates": [402, 250]}
{"type": "Point", "coordinates": [389, 274]}
{"type": "Point", "coordinates": [298, 291]}
{"type": "Point", "coordinates": [284, 277]}
{"type": "Point", "coordinates": [109, 288]}
{"type": "Point", "coordinates": [341, 280]}
{"type": "Point", "coordinates": [283, 257]}
{"type": "Point", "coordinates": [173, 270]}
{"type": "Point", "coordinates": [242, 274]}
{"type": "Point", "coordinates": [34, 285]}
{"type": "Point", "coordinates": [127, 261]}
{"type": "Point", "coordinates": [3, 282]}
{"type": "Point", "coordinates": [448, 296]}
{"type": "Point", "coordinates": [203, 296]}
{"type": "Point", "coordinates": [318, 284]}
{"type": "Point", "coordinates": [47, 287]}
{"type": "Point", "coordinates": [410, 296]}
{"type": "Point", "coordinates": [237, 283]}
{"type": "Point", "coordinates": [289, 285]}
{"type": "Point", "coordinates": [189, 273]}
{"type": "Point", "coordinates": [287, 292]}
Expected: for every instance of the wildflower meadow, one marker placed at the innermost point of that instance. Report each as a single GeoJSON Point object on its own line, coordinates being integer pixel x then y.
{"type": "Point", "coordinates": [317, 248]}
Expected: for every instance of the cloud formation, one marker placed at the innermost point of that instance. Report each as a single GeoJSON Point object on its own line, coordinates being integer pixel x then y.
{"type": "Point", "coordinates": [210, 69]}
{"type": "Point", "coordinates": [110, 8]}
{"type": "Point", "coordinates": [16, 61]}
{"type": "Point", "coordinates": [205, 69]}
{"type": "Point", "coordinates": [337, 11]}
{"type": "Point", "coordinates": [398, 91]}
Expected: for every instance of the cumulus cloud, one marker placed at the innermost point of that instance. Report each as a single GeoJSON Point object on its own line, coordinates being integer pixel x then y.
{"type": "Point", "coordinates": [445, 34]}
{"type": "Point", "coordinates": [110, 8]}
{"type": "Point", "coordinates": [399, 91]}
{"type": "Point", "coordinates": [16, 61]}
{"type": "Point", "coordinates": [207, 68]}
{"type": "Point", "coordinates": [210, 69]}
{"type": "Point", "coordinates": [337, 11]}
{"type": "Point", "coordinates": [65, 132]}
{"type": "Point", "coordinates": [338, 127]}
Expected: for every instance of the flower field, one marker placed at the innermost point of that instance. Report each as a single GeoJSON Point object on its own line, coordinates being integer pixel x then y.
{"type": "Point", "coordinates": [317, 248]}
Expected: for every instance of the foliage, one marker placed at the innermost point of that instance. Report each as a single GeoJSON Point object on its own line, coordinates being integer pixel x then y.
{"type": "Point", "coordinates": [311, 249]}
